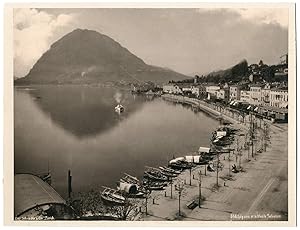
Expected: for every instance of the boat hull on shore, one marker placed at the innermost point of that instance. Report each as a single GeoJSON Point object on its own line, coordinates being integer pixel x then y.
{"type": "Point", "coordinates": [112, 196]}
{"type": "Point", "coordinates": [168, 174]}
{"type": "Point", "coordinates": [111, 199]}
{"type": "Point", "coordinates": [170, 170]}
{"type": "Point", "coordinates": [153, 185]}
{"type": "Point", "coordinates": [151, 176]}
{"type": "Point", "coordinates": [180, 166]}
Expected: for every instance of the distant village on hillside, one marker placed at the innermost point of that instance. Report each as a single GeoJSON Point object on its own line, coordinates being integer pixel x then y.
{"type": "Point", "coordinates": [258, 88]}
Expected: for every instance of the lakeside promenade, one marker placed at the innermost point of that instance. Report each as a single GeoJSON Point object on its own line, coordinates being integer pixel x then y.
{"type": "Point", "coordinates": [257, 193]}
{"type": "Point", "coordinates": [215, 111]}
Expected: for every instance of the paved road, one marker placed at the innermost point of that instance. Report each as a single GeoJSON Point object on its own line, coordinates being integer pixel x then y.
{"type": "Point", "coordinates": [259, 193]}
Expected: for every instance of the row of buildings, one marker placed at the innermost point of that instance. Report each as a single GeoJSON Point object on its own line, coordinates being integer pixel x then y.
{"type": "Point", "coordinates": [254, 94]}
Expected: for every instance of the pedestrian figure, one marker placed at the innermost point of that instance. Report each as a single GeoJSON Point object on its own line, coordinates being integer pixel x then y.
{"type": "Point", "coordinates": [224, 184]}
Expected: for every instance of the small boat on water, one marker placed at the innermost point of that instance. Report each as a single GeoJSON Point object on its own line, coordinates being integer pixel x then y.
{"type": "Point", "coordinates": [155, 175]}
{"type": "Point", "coordinates": [112, 196]}
{"type": "Point", "coordinates": [131, 190]}
{"type": "Point", "coordinates": [180, 163]}
{"type": "Point", "coordinates": [119, 108]}
{"type": "Point", "coordinates": [166, 169]}
{"type": "Point", "coordinates": [134, 181]}
{"type": "Point", "coordinates": [131, 179]}
{"type": "Point", "coordinates": [163, 172]}
{"type": "Point", "coordinates": [153, 185]}
{"type": "Point", "coordinates": [168, 174]}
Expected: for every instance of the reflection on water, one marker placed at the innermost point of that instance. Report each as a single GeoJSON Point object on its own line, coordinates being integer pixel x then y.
{"type": "Point", "coordinates": [84, 111]}
{"type": "Point", "coordinates": [75, 127]}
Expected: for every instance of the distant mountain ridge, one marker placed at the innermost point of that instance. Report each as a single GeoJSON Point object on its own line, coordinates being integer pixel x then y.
{"type": "Point", "coordinates": [232, 74]}
{"type": "Point", "coordinates": [241, 72]}
{"type": "Point", "coordinates": [235, 73]}
{"type": "Point", "coordinates": [86, 56]}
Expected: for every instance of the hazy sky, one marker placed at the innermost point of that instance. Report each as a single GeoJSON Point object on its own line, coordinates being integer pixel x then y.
{"type": "Point", "coordinates": [185, 40]}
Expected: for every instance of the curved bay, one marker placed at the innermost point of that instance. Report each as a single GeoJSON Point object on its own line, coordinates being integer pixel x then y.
{"type": "Point", "coordinates": [76, 128]}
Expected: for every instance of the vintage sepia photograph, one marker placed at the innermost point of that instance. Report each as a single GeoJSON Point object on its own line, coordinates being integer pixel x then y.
{"type": "Point", "coordinates": [152, 113]}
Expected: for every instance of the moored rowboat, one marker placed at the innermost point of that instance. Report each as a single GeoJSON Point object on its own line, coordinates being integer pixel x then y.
{"type": "Point", "coordinates": [153, 185]}
{"type": "Point", "coordinates": [112, 196]}
{"type": "Point", "coordinates": [170, 170]}
{"type": "Point", "coordinates": [155, 176]}
{"type": "Point", "coordinates": [180, 165]}
{"type": "Point", "coordinates": [159, 171]}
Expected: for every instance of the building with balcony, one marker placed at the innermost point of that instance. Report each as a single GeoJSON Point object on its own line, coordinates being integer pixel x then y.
{"type": "Point", "coordinates": [279, 97]}
{"type": "Point", "coordinates": [245, 96]}
{"type": "Point", "coordinates": [255, 94]}
{"type": "Point", "coordinates": [265, 95]}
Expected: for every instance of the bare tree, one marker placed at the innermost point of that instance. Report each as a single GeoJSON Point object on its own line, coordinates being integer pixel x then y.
{"type": "Point", "coordinates": [88, 203]}
{"type": "Point", "coordinates": [127, 211]}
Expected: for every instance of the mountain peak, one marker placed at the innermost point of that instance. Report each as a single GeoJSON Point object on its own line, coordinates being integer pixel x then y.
{"type": "Point", "coordinates": [87, 56]}
{"type": "Point", "coordinates": [80, 30]}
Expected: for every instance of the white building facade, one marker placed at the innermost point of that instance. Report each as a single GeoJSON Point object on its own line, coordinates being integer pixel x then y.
{"type": "Point", "coordinates": [223, 94]}
{"type": "Point", "coordinates": [255, 94]}
{"type": "Point", "coordinates": [245, 96]}
{"type": "Point", "coordinates": [212, 90]}
{"type": "Point", "coordinates": [198, 90]}
{"type": "Point", "coordinates": [172, 89]}
{"type": "Point", "coordinates": [279, 97]}
{"type": "Point", "coordinates": [265, 95]}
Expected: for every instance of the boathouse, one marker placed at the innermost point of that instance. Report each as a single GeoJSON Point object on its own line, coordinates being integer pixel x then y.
{"type": "Point", "coordinates": [34, 199]}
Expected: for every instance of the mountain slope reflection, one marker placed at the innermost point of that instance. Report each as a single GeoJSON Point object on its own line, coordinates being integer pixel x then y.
{"type": "Point", "coordinates": [150, 134]}
{"type": "Point", "coordinates": [84, 110]}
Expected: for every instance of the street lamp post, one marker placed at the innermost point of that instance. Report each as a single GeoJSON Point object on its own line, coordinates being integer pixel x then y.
{"type": "Point", "coordinates": [147, 196]}
{"type": "Point", "coordinates": [246, 146]}
{"type": "Point", "coordinates": [179, 214]}
{"type": "Point", "coordinates": [229, 163]}
{"type": "Point", "coordinates": [218, 162]}
{"type": "Point", "coordinates": [200, 182]}
{"type": "Point", "coordinates": [190, 176]}
{"type": "Point", "coordinates": [171, 188]}
{"type": "Point", "coordinates": [146, 204]}
{"type": "Point", "coordinates": [240, 159]}
{"type": "Point", "coordinates": [252, 139]}
{"type": "Point", "coordinates": [179, 188]}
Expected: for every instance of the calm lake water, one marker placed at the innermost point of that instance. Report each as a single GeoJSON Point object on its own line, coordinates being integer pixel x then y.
{"type": "Point", "coordinates": [76, 128]}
